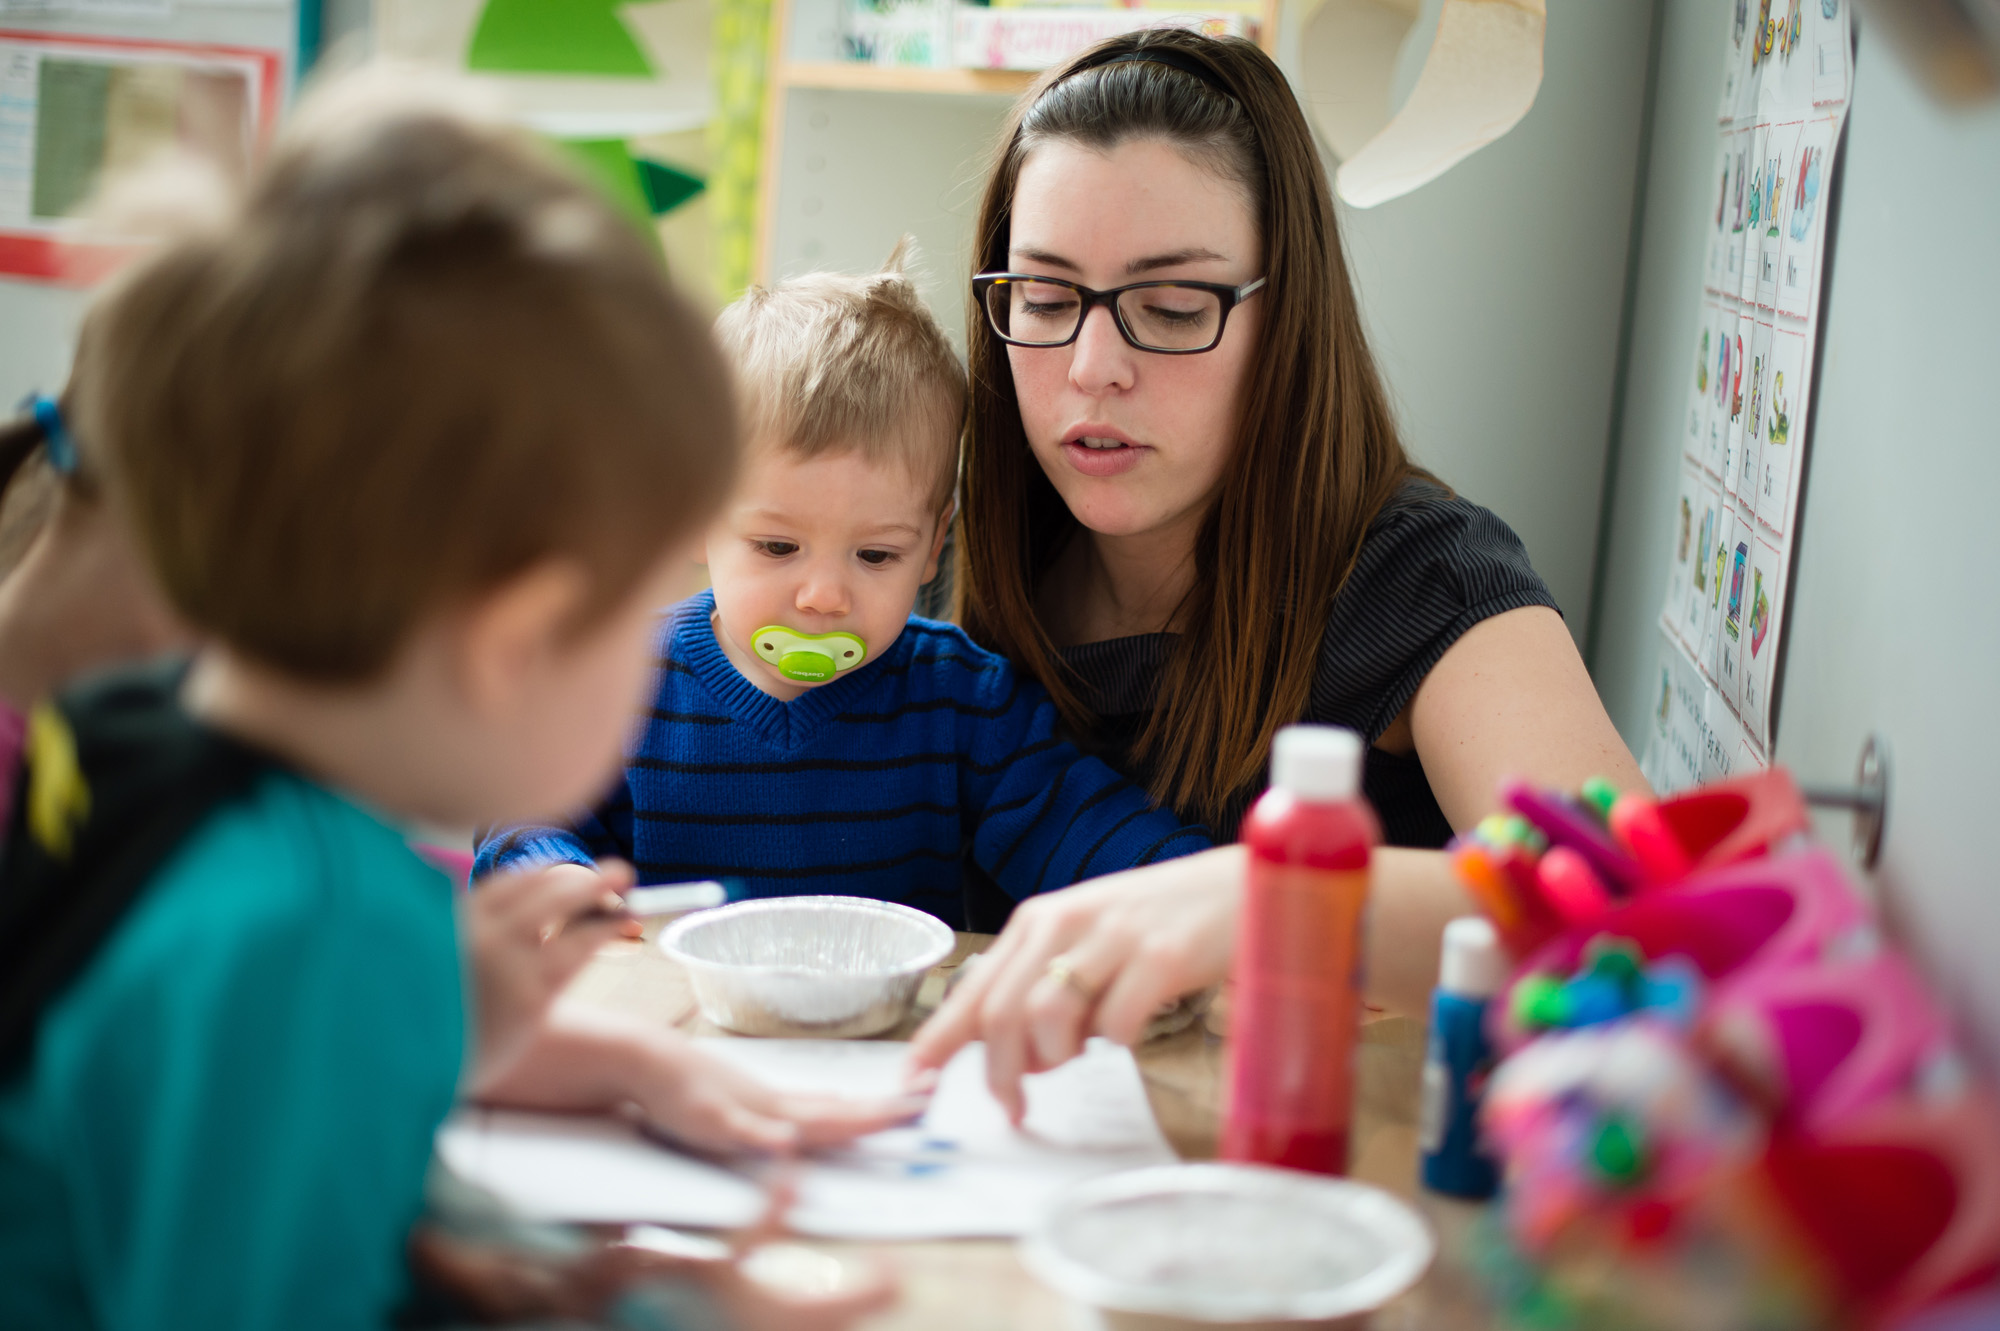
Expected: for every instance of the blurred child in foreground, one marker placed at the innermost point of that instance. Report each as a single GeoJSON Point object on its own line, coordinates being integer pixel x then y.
{"type": "Point", "coordinates": [407, 443]}
{"type": "Point", "coordinates": [75, 598]}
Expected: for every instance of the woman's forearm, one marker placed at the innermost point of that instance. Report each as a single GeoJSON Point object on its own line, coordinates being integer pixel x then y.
{"type": "Point", "coordinates": [1193, 903]}
{"type": "Point", "coordinates": [1413, 895]}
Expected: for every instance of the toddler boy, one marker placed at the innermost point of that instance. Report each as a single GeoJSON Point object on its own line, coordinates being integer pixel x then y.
{"type": "Point", "coordinates": [808, 734]}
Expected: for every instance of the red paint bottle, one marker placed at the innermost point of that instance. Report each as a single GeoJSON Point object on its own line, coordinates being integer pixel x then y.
{"type": "Point", "coordinates": [1295, 1007]}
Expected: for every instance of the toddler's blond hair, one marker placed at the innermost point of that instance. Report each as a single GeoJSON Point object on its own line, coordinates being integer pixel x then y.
{"type": "Point", "coordinates": [830, 363]}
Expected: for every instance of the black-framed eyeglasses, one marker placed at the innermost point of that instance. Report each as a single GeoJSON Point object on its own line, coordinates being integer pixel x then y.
{"type": "Point", "coordinates": [1171, 318]}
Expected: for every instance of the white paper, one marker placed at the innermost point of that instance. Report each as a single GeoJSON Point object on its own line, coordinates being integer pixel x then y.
{"type": "Point", "coordinates": [562, 1167]}
{"type": "Point", "coordinates": [962, 1171]}
{"type": "Point", "coordinates": [1478, 79]}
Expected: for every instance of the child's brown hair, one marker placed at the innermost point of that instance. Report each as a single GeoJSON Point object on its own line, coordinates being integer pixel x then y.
{"type": "Point", "coordinates": [829, 363]}
{"type": "Point", "coordinates": [422, 357]}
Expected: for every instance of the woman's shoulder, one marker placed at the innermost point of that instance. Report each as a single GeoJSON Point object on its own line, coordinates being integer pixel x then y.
{"type": "Point", "coordinates": [1425, 510]}
{"type": "Point", "coordinates": [1431, 565]}
{"type": "Point", "coordinates": [1428, 539]}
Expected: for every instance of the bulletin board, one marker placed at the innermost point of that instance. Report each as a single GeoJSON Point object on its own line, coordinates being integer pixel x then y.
{"type": "Point", "coordinates": [74, 106]}
{"type": "Point", "coordinates": [1750, 368]}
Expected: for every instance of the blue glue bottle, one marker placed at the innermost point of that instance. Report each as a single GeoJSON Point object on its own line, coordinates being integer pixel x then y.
{"type": "Point", "coordinates": [1474, 968]}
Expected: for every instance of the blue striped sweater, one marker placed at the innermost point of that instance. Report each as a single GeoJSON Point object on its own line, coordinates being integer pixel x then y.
{"type": "Point", "coordinates": [875, 784]}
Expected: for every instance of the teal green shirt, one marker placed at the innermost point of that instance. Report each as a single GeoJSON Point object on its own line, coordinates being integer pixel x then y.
{"type": "Point", "coordinates": [226, 1118]}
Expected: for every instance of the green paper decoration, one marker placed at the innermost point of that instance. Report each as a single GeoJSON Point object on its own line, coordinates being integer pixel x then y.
{"type": "Point", "coordinates": [666, 187]}
{"type": "Point", "coordinates": [642, 188]}
{"type": "Point", "coordinates": [556, 37]}
{"type": "Point", "coordinates": [608, 162]}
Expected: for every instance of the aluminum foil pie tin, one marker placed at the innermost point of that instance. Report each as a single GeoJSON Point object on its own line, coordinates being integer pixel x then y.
{"type": "Point", "coordinates": [807, 966]}
{"type": "Point", "coordinates": [1208, 1245]}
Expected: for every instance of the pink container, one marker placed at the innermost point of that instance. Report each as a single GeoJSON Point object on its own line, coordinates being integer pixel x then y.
{"type": "Point", "coordinates": [1734, 923]}
{"type": "Point", "coordinates": [1712, 827]}
{"type": "Point", "coordinates": [1900, 1201]}
{"type": "Point", "coordinates": [1826, 1042]}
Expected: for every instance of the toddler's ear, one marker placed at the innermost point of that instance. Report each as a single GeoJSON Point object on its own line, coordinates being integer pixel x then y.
{"type": "Point", "coordinates": [938, 539]}
{"type": "Point", "coordinates": [509, 635]}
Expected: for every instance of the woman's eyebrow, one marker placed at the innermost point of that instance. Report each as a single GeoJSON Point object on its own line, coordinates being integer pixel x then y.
{"type": "Point", "coordinates": [1154, 263]}
{"type": "Point", "coordinates": [1150, 264]}
{"type": "Point", "coordinates": [1043, 257]}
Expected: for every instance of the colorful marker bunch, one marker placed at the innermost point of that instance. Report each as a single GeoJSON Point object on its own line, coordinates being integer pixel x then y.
{"type": "Point", "coordinates": [1722, 1085]}
{"type": "Point", "coordinates": [1614, 980]}
{"type": "Point", "coordinates": [1614, 1120]}
{"type": "Point", "coordinates": [1557, 862]}
{"type": "Point", "coordinates": [1533, 885]}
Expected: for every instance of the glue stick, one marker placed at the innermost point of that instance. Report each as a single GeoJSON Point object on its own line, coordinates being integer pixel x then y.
{"type": "Point", "coordinates": [1295, 1009]}
{"type": "Point", "coordinates": [1473, 970]}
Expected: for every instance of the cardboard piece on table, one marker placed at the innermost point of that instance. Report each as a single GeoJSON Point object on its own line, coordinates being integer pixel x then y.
{"type": "Point", "coordinates": [962, 1171]}
{"type": "Point", "coordinates": [1480, 77]}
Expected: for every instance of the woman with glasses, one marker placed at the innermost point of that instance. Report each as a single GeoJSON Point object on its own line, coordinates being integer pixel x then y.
{"type": "Point", "coordinates": [1187, 512]}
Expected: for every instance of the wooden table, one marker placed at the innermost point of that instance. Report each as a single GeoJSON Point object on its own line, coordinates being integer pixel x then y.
{"type": "Point", "coordinates": [979, 1285]}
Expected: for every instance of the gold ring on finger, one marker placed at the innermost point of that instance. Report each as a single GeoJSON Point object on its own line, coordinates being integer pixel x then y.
{"type": "Point", "coordinates": [1063, 972]}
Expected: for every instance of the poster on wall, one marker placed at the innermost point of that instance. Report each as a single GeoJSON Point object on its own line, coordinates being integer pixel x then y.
{"type": "Point", "coordinates": [73, 108]}
{"type": "Point", "coordinates": [1748, 367]}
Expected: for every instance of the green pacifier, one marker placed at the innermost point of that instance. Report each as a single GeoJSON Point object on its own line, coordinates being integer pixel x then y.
{"type": "Point", "coordinates": [809, 657]}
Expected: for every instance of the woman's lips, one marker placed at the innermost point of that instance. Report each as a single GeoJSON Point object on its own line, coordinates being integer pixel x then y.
{"type": "Point", "coordinates": [1112, 461]}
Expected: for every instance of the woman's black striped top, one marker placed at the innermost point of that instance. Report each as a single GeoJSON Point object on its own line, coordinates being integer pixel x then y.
{"type": "Point", "coordinates": [1432, 565]}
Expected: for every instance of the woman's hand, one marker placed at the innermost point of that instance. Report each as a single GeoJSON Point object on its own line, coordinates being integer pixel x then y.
{"type": "Point", "coordinates": [1129, 942]}
{"type": "Point", "coordinates": [587, 1060]}
{"type": "Point", "coordinates": [527, 935]}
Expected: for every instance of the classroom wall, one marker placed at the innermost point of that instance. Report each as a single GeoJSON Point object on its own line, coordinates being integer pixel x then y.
{"type": "Point", "coordinates": [1894, 624]}
{"type": "Point", "coordinates": [37, 334]}
{"type": "Point", "coordinates": [1493, 294]}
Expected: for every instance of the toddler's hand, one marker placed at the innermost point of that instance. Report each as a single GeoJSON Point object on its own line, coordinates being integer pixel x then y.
{"type": "Point", "coordinates": [527, 935]}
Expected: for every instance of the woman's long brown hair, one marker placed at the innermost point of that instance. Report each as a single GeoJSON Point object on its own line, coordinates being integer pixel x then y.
{"type": "Point", "coordinates": [1316, 456]}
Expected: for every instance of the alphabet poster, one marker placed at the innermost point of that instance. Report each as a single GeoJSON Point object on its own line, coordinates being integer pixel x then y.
{"type": "Point", "coordinates": [1748, 367]}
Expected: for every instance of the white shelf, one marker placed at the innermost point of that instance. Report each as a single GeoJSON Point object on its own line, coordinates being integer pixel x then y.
{"type": "Point", "coordinates": [857, 76]}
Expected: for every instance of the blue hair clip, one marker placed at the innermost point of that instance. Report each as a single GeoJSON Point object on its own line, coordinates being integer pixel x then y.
{"type": "Point", "coordinates": [55, 433]}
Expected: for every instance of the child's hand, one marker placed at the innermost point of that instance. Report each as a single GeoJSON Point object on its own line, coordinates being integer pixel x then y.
{"type": "Point", "coordinates": [713, 1105]}
{"type": "Point", "coordinates": [527, 935]}
{"type": "Point", "coordinates": [500, 1283]}
{"type": "Point", "coordinates": [749, 1304]}
{"type": "Point", "coordinates": [583, 1059]}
